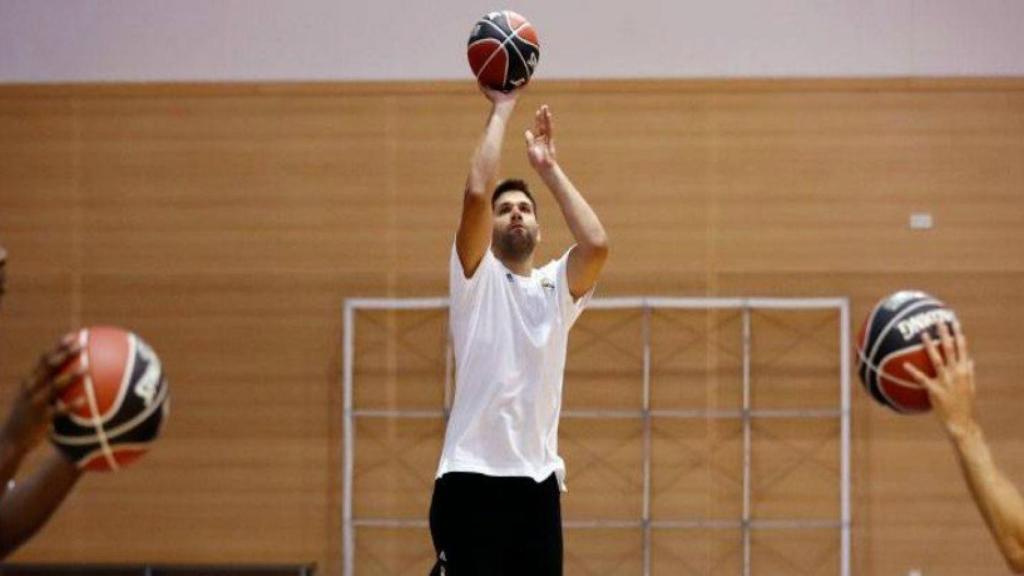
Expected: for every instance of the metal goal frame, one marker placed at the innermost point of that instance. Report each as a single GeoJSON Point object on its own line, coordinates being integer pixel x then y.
{"type": "Point", "coordinates": [647, 304]}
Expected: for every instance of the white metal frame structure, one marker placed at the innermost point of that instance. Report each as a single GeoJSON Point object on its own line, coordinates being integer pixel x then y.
{"type": "Point", "coordinates": [746, 414]}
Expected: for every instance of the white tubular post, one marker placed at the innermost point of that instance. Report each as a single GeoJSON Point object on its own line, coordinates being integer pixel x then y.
{"type": "Point", "coordinates": [348, 529]}
{"type": "Point", "coordinates": [844, 457]}
{"type": "Point", "coordinates": [746, 442]}
{"type": "Point", "coordinates": [646, 518]}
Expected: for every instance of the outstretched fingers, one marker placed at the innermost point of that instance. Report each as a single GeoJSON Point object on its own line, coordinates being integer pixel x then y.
{"type": "Point", "coordinates": [921, 378]}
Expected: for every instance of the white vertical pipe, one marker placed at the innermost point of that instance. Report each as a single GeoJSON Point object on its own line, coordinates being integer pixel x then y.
{"type": "Point", "coordinates": [348, 536]}
{"type": "Point", "coordinates": [844, 462]}
{"type": "Point", "coordinates": [647, 441]}
{"type": "Point", "coordinates": [746, 442]}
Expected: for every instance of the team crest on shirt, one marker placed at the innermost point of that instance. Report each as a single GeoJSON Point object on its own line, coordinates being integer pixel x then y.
{"type": "Point", "coordinates": [545, 283]}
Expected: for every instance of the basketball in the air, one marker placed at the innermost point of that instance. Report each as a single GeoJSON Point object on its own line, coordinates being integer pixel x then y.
{"type": "Point", "coordinates": [891, 336]}
{"type": "Point", "coordinates": [503, 51]}
{"type": "Point", "coordinates": [118, 405]}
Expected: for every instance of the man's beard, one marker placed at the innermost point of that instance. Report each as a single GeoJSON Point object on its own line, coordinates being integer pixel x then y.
{"type": "Point", "coordinates": [515, 246]}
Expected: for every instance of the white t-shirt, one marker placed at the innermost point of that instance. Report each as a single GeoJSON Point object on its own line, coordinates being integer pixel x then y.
{"type": "Point", "coordinates": [509, 334]}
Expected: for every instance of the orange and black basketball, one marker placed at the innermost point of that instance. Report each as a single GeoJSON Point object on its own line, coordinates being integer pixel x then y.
{"type": "Point", "coordinates": [503, 51]}
{"type": "Point", "coordinates": [891, 336]}
{"type": "Point", "coordinates": [125, 401]}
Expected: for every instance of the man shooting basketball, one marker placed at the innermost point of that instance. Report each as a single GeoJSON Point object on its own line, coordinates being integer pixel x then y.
{"type": "Point", "coordinates": [26, 506]}
{"type": "Point", "coordinates": [951, 392]}
{"type": "Point", "coordinates": [496, 504]}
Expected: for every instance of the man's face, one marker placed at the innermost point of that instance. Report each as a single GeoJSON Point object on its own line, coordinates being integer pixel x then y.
{"type": "Point", "coordinates": [516, 231]}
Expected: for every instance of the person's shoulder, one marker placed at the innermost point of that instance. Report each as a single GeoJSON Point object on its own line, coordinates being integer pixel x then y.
{"type": "Point", "coordinates": [550, 270]}
{"type": "Point", "coordinates": [485, 265]}
{"type": "Point", "coordinates": [552, 267]}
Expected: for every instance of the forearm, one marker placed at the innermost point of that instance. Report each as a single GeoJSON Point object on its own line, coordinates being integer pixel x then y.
{"type": "Point", "coordinates": [581, 219]}
{"type": "Point", "coordinates": [27, 507]}
{"type": "Point", "coordinates": [11, 455]}
{"type": "Point", "coordinates": [483, 168]}
{"type": "Point", "coordinates": [997, 498]}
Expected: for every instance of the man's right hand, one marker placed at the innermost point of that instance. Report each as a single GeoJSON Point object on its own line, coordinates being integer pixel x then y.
{"type": "Point", "coordinates": [37, 400]}
{"type": "Point", "coordinates": [951, 391]}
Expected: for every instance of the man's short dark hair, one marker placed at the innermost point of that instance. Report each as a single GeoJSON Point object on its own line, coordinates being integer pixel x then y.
{"type": "Point", "coordinates": [513, 185]}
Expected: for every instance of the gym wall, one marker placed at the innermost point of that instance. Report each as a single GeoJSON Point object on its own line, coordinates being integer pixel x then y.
{"type": "Point", "coordinates": [226, 223]}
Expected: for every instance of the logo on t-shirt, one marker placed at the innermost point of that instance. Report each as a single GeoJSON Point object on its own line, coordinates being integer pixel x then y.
{"type": "Point", "coordinates": [441, 567]}
{"type": "Point", "coordinates": [545, 283]}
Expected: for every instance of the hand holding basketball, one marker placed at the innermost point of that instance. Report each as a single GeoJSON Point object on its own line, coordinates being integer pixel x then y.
{"type": "Point", "coordinates": [499, 98]}
{"type": "Point", "coordinates": [118, 404]}
{"type": "Point", "coordinates": [540, 141]}
{"type": "Point", "coordinates": [951, 390]}
{"type": "Point", "coordinates": [37, 401]}
{"type": "Point", "coordinates": [890, 339]}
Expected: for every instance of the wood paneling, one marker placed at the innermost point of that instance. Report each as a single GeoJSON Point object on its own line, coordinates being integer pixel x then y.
{"type": "Point", "coordinates": [226, 224]}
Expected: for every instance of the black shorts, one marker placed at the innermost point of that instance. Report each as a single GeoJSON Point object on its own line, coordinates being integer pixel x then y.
{"type": "Point", "coordinates": [496, 526]}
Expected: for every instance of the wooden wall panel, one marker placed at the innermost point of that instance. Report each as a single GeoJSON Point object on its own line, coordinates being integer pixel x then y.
{"type": "Point", "coordinates": [226, 224]}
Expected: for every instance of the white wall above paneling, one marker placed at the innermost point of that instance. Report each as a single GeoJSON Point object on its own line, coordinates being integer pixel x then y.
{"type": "Point", "coordinates": [226, 40]}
